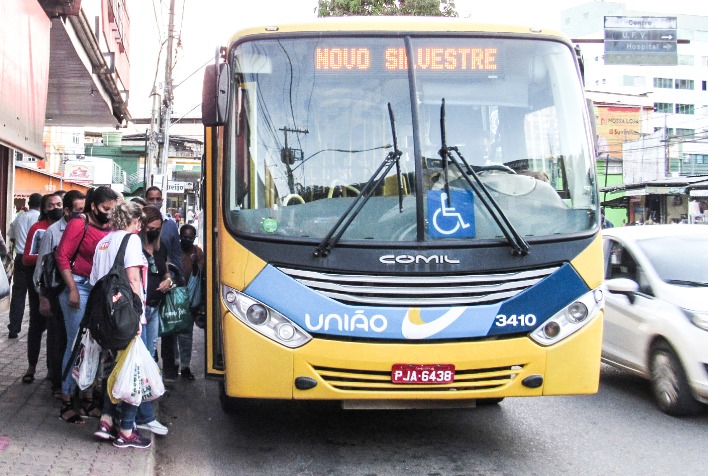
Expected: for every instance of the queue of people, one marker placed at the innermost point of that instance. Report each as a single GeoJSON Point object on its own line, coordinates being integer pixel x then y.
{"type": "Point", "coordinates": [84, 233]}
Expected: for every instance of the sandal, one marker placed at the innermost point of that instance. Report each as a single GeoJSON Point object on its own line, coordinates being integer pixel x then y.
{"type": "Point", "coordinates": [67, 413]}
{"type": "Point", "coordinates": [28, 378]}
{"type": "Point", "coordinates": [89, 409]}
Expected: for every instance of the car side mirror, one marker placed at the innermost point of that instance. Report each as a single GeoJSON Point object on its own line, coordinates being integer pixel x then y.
{"type": "Point", "coordinates": [623, 286]}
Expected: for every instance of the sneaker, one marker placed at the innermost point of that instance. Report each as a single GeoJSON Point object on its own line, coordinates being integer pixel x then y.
{"type": "Point", "coordinates": [135, 440]}
{"type": "Point", "coordinates": [187, 374]}
{"type": "Point", "coordinates": [155, 427]}
{"type": "Point", "coordinates": [12, 335]}
{"type": "Point", "coordinates": [105, 431]}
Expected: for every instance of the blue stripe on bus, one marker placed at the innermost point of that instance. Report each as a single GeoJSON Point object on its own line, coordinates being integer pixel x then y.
{"type": "Point", "coordinates": [319, 314]}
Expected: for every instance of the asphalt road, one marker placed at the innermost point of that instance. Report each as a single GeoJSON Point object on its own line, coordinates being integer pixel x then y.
{"type": "Point", "coordinates": [617, 431]}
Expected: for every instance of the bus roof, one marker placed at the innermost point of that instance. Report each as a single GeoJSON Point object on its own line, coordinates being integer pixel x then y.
{"type": "Point", "coordinates": [393, 24]}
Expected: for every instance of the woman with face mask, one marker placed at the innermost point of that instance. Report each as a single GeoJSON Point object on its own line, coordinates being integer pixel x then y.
{"type": "Point", "coordinates": [74, 258]}
{"type": "Point", "coordinates": [50, 212]}
{"type": "Point", "coordinates": [158, 282]}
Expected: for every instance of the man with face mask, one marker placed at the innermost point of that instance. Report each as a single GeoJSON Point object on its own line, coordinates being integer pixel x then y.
{"type": "Point", "coordinates": [73, 205]}
{"type": "Point", "coordinates": [50, 212]}
{"type": "Point", "coordinates": [169, 240]}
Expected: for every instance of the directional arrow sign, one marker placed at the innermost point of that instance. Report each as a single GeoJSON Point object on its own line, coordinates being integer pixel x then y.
{"type": "Point", "coordinates": [640, 40]}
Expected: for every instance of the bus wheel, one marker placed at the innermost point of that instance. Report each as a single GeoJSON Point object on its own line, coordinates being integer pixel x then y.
{"type": "Point", "coordinates": [489, 401]}
{"type": "Point", "coordinates": [229, 404]}
{"type": "Point", "coordinates": [669, 383]}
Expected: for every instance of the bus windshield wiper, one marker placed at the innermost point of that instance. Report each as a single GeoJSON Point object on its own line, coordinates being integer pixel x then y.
{"type": "Point", "coordinates": [519, 246]}
{"type": "Point", "coordinates": [393, 158]}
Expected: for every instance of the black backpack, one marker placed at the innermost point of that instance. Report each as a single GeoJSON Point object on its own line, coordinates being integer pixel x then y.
{"type": "Point", "coordinates": [113, 310]}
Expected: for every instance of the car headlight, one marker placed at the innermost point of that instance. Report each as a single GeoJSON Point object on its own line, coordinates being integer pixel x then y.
{"type": "Point", "coordinates": [698, 319]}
{"type": "Point", "coordinates": [263, 319]}
{"type": "Point", "coordinates": [571, 318]}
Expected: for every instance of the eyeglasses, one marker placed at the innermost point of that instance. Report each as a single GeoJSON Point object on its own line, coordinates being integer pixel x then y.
{"type": "Point", "coordinates": [153, 266]}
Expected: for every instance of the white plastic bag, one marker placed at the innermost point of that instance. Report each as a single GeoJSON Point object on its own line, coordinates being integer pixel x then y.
{"type": "Point", "coordinates": [151, 382]}
{"type": "Point", "coordinates": [136, 376]}
{"type": "Point", "coordinates": [86, 363]}
{"type": "Point", "coordinates": [124, 382]}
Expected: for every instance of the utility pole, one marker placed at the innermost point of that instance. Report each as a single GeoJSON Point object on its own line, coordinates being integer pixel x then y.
{"type": "Point", "coordinates": [167, 106]}
{"type": "Point", "coordinates": [151, 155]}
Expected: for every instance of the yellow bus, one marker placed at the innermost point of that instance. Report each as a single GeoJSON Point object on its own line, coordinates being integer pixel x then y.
{"type": "Point", "coordinates": [400, 213]}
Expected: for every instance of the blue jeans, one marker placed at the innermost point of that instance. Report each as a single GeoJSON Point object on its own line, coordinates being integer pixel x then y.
{"type": "Point", "coordinates": [126, 414]}
{"type": "Point", "coordinates": [72, 320]}
{"type": "Point", "coordinates": [146, 412]}
{"type": "Point", "coordinates": [150, 330]}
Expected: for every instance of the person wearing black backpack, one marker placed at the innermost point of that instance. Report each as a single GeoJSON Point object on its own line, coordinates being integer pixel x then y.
{"type": "Point", "coordinates": [126, 220]}
{"type": "Point", "coordinates": [50, 212]}
{"type": "Point", "coordinates": [73, 203]}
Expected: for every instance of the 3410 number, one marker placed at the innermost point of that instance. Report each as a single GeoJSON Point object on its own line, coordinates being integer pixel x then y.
{"type": "Point", "coordinates": [515, 320]}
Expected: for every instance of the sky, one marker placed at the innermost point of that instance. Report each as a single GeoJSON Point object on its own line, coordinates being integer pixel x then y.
{"type": "Point", "coordinates": [202, 25]}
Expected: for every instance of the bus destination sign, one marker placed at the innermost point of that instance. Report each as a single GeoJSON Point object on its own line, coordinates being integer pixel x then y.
{"type": "Point", "coordinates": [433, 59]}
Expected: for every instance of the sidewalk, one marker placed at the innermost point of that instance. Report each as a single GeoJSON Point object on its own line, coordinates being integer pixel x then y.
{"type": "Point", "coordinates": [34, 440]}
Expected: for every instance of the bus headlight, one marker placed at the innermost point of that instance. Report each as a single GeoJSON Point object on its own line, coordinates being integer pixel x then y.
{"type": "Point", "coordinates": [263, 319]}
{"type": "Point", "coordinates": [570, 319]}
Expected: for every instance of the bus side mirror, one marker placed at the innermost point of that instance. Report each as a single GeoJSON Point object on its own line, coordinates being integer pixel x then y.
{"type": "Point", "coordinates": [216, 94]}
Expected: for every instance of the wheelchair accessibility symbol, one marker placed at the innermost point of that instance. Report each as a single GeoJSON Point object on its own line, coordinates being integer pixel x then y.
{"type": "Point", "coordinates": [450, 216]}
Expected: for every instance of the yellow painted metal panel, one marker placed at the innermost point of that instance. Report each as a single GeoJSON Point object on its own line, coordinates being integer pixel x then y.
{"type": "Point", "coordinates": [256, 367]}
{"type": "Point", "coordinates": [394, 24]}
{"type": "Point", "coordinates": [589, 265]}
{"type": "Point", "coordinates": [574, 366]}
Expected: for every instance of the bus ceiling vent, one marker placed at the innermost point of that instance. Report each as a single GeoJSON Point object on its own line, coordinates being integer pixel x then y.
{"type": "Point", "coordinates": [305, 383]}
{"type": "Point", "coordinates": [533, 381]}
{"type": "Point", "coordinates": [272, 28]}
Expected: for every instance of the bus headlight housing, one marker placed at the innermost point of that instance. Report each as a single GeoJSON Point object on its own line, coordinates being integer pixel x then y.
{"type": "Point", "coordinates": [263, 319]}
{"type": "Point", "coordinates": [570, 319]}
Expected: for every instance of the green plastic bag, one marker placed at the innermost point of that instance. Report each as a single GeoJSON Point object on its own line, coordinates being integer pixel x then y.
{"type": "Point", "coordinates": [174, 311]}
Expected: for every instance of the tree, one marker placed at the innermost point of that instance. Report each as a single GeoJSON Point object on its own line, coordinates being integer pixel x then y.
{"type": "Point", "coordinates": [340, 8]}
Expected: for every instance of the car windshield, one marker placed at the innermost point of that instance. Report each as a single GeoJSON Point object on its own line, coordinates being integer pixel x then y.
{"type": "Point", "coordinates": [681, 260]}
{"type": "Point", "coordinates": [314, 118]}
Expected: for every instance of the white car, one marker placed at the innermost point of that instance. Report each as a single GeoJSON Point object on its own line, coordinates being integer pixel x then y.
{"type": "Point", "coordinates": [656, 321]}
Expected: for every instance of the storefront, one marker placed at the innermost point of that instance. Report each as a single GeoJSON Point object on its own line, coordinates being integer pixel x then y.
{"type": "Point", "coordinates": [29, 180]}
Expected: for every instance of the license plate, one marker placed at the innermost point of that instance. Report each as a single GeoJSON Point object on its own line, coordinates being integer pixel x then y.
{"type": "Point", "coordinates": [431, 374]}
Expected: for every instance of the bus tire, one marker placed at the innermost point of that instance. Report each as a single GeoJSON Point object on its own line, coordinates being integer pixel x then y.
{"type": "Point", "coordinates": [228, 404]}
{"type": "Point", "coordinates": [669, 383]}
{"type": "Point", "coordinates": [489, 401]}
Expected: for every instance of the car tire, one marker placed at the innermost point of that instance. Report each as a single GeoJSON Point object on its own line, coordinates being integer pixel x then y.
{"type": "Point", "coordinates": [669, 383]}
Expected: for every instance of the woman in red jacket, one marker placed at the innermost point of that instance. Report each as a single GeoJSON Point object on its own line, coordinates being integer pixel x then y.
{"type": "Point", "coordinates": [74, 258]}
{"type": "Point", "coordinates": [50, 211]}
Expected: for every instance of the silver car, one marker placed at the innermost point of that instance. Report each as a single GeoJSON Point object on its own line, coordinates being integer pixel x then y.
{"type": "Point", "coordinates": [656, 321]}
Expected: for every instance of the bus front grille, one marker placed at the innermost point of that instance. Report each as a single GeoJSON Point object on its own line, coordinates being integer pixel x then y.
{"type": "Point", "coordinates": [419, 291]}
{"type": "Point", "coordinates": [466, 380]}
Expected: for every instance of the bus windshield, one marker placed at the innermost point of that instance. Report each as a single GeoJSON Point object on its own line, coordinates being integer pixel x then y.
{"type": "Point", "coordinates": [314, 119]}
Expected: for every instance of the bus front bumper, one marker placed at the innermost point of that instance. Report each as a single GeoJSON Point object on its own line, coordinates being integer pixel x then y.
{"type": "Point", "coordinates": [323, 369]}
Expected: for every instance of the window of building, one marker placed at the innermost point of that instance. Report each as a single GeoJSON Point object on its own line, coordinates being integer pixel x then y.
{"type": "Point", "coordinates": [684, 84]}
{"type": "Point", "coordinates": [685, 109]}
{"type": "Point", "coordinates": [76, 139]}
{"type": "Point", "coordinates": [667, 83]}
{"type": "Point", "coordinates": [686, 60]}
{"type": "Point", "coordinates": [664, 107]}
{"type": "Point", "coordinates": [685, 132]}
{"type": "Point", "coordinates": [704, 60]}
{"type": "Point", "coordinates": [636, 81]}
{"type": "Point", "coordinates": [703, 85]}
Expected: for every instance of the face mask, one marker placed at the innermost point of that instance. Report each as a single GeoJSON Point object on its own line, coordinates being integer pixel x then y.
{"type": "Point", "coordinates": [152, 235]}
{"type": "Point", "coordinates": [156, 204]}
{"type": "Point", "coordinates": [75, 215]}
{"type": "Point", "coordinates": [101, 217]}
{"type": "Point", "coordinates": [55, 214]}
{"type": "Point", "coordinates": [186, 244]}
